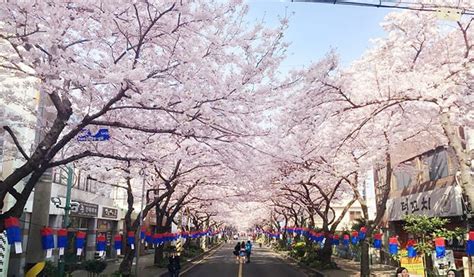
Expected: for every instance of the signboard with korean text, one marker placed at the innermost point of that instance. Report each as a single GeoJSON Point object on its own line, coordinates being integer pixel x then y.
{"type": "Point", "coordinates": [415, 266]}
{"type": "Point", "coordinates": [442, 265]}
{"type": "Point", "coordinates": [84, 209]}
{"type": "Point", "coordinates": [109, 213]}
{"type": "Point", "coordinates": [442, 202]}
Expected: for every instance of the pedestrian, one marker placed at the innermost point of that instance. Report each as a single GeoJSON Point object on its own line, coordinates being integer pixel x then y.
{"type": "Point", "coordinates": [174, 264]}
{"type": "Point", "coordinates": [402, 272]}
{"type": "Point", "coordinates": [248, 250]}
{"type": "Point", "coordinates": [451, 273]}
{"type": "Point", "coordinates": [243, 252]}
{"type": "Point", "coordinates": [237, 251]}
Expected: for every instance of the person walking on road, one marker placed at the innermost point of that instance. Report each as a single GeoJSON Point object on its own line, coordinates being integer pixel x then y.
{"type": "Point", "coordinates": [174, 265]}
{"type": "Point", "coordinates": [243, 252]}
{"type": "Point", "coordinates": [248, 250]}
{"type": "Point", "coordinates": [237, 251]}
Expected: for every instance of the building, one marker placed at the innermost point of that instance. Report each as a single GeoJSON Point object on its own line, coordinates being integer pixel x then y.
{"type": "Point", "coordinates": [425, 182]}
{"type": "Point", "coordinates": [93, 209]}
{"type": "Point", "coordinates": [19, 103]}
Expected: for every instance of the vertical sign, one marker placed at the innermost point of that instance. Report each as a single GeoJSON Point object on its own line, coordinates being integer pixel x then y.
{"type": "Point", "coordinates": [4, 255]}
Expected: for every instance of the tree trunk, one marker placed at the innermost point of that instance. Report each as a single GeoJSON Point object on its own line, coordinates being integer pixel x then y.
{"type": "Point", "coordinates": [364, 255]}
{"type": "Point", "coordinates": [159, 251]}
{"type": "Point", "coordinates": [467, 182]}
{"type": "Point", "coordinates": [326, 251]}
{"type": "Point", "coordinates": [126, 264]}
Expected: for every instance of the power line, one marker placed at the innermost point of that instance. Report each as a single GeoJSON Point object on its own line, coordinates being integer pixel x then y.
{"type": "Point", "coordinates": [399, 4]}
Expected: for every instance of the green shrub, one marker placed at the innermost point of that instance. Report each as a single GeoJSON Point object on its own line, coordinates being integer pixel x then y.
{"type": "Point", "coordinates": [94, 266]}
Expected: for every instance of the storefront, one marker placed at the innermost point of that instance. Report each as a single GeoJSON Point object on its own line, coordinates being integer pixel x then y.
{"type": "Point", "coordinates": [83, 216]}
{"type": "Point", "coordinates": [107, 224]}
{"type": "Point", "coordinates": [440, 198]}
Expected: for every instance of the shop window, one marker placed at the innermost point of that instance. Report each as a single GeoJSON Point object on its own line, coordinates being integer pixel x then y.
{"type": "Point", "coordinates": [79, 222]}
{"type": "Point", "coordinates": [354, 215]}
{"type": "Point", "coordinates": [405, 174]}
{"type": "Point", "coordinates": [403, 179]}
{"type": "Point", "coordinates": [437, 164]}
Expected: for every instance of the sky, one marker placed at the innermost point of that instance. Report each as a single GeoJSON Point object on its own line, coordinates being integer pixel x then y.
{"type": "Point", "coordinates": [316, 28]}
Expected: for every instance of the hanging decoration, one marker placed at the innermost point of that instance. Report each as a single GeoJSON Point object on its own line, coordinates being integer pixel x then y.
{"type": "Point", "coordinates": [142, 234]}
{"type": "Point", "coordinates": [157, 239]}
{"type": "Point", "coordinates": [411, 251]}
{"type": "Point", "coordinates": [62, 240]}
{"type": "Point", "coordinates": [101, 244]}
{"type": "Point", "coordinates": [12, 225]}
{"type": "Point", "coordinates": [362, 233]}
{"type": "Point", "coordinates": [393, 245]}
{"type": "Point", "coordinates": [355, 237]}
{"type": "Point", "coordinates": [148, 239]}
{"type": "Point", "coordinates": [440, 247]}
{"type": "Point", "coordinates": [377, 241]}
{"type": "Point", "coordinates": [118, 244]}
{"type": "Point", "coordinates": [80, 241]}
{"type": "Point", "coordinates": [47, 241]}
{"type": "Point", "coordinates": [335, 240]}
{"type": "Point", "coordinates": [131, 239]}
{"type": "Point", "coordinates": [470, 244]}
{"type": "Point", "coordinates": [345, 240]}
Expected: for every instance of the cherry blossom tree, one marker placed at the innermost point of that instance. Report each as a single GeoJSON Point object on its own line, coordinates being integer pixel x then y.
{"type": "Point", "coordinates": [411, 87]}
{"type": "Point", "coordinates": [181, 70]}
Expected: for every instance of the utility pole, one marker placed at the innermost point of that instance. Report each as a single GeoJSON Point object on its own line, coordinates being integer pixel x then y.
{"type": "Point", "coordinates": [67, 209]}
{"type": "Point", "coordinates": [137, 233]}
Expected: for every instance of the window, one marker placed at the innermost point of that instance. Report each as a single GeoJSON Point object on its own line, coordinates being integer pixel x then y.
{"type": "Point", "coordinates": [437, 164]}
{"type": "Point", "coordinates": [354, 215]}
{"type": "Point", "coordinates": [405, 174]}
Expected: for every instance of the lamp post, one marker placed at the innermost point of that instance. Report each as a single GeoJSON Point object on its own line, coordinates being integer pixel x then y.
{"type": "Point", "coordinates": [137, 234]}
{"type": "Point", "coordinates": [67, 209]}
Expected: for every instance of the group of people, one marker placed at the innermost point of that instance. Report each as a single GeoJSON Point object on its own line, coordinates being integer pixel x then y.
{"type": "Point", "coordinates": [242, 251]}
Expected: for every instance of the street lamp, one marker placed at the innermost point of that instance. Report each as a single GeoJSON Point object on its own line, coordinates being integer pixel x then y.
{"type": "Point", "coordinates": [67, 208]}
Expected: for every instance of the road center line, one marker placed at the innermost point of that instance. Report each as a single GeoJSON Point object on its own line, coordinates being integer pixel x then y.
{"type": "Point", "coordinates": [240, 269]}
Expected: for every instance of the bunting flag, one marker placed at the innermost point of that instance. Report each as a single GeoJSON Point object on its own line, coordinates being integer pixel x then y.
{"type": "Point", "coordinates": [470, 244]}
{"type": "Point", "coordinates": [355, 237]}
{"type": "Point", "coordinates": [319, 238]}
{"type": "Point", "coordinates": [185, 235]}
{"type": "Point", "coordinates": [335, 240]}
{"type": "Point", "coordinates": [157, 239]}
{"type": "Point", "coordinates": [393, 245]}
{"type": "Point", "coordinates": [131, 239]}
{"type": "Point", "coordinates": [80, 241]}
{"type": "Point", "coordinates": [47, 240]}
{"type": "Point", "coordinates": [362, 233]}
{"type": "Point", "coordinates": [12, 224]}
{"type": "Point", "coordinates": [101, 244]}
{"type": "Point", "coordinates": [377, 241]}
{"type": "Point", "coordinates": [62, 240]}
{"type": "Point", "coordinates": [345, 240]}
{"type": "Point", "coordinates": [118, 243]}
{"type": "Point", "coordinates": [148, 238]}
{"type": "Point", "coordinates": [411, 251]}
{"type": "Point", "coordinates": [142, 234]}
{"type": "Point", "coordinates": [440, 247]}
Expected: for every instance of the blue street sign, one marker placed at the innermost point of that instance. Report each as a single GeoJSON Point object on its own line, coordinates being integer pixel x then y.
{"type": "Point", "coordinates": [101, 135]}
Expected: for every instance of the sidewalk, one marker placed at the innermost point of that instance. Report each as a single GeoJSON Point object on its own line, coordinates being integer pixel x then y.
{"type": "Point", "coordinates": [352, 268]}
{"type": "Point", "coordinates": [348, 268]}
{"type": "Point", "coordinates": [146, 265]}
{"type": "Point", "coordinates": [145, 268]}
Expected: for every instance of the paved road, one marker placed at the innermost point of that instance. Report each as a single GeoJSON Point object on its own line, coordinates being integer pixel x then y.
{"type": "Point", "coordinates": [223, 264]}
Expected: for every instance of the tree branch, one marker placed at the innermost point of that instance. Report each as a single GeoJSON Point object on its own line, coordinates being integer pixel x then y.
{"type": "Point", "coordinates": [17, 143]}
